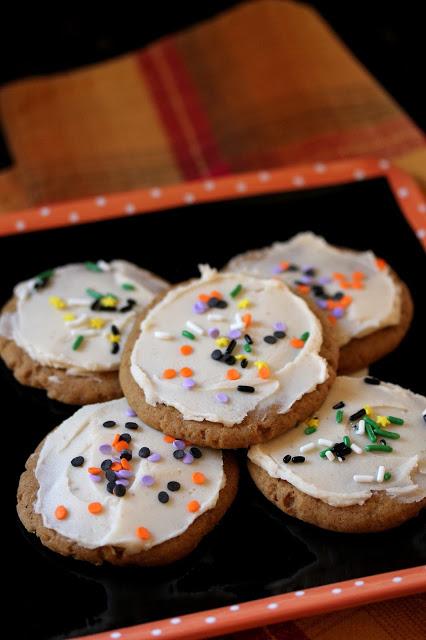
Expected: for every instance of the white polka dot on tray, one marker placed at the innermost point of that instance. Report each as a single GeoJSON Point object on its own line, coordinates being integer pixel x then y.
{"type": "Point", "coordinates": [421, 233]}
{"type": "Point", "coordinates": [359, 583]}
{"type": "Point", "coordinates": [336, 590]}
{"type": "Point", "coordinates": [320, 167]}
{"type": "Point", "coordinates": [189, 198]}
{"type": "Point", "coordinates": [210, 619]}
{"type": "Point", "coordinates": [421, 207]}
{"type": "Point", "coordinates": [384, 163]}
{"type": "Point", "coordinates": [155, 193]}
{"type": "Point", "coordinates": [272, 605]}
{"type": "Point", "coordinates": [264, 176]}
{"type": "Point", "coordinates": [156, 632]}
{"type": "Point", "coordinates": [44, 212]}
{"type": "Point", "coordinates": [298, 181]}
{"type": "Point", "coordinates": [234, 607]}
{"type": "Point", "coordinates": [359, 174]}
{"type": "Point", "coordinates": [209, 185]}
{"type": "Point", "coordinates": [298, 594]}
{"type": "Point", "coordinates": [130, 208]}
{"type": "Point", "coordinates": [115, 634]}
{"type": "Point", "coordinates": [241, 186]}
{"type": "Point", "coordinates": [73, 216]}
{"type": "Point", "coordinates": [100, 201]}
{"type": "Point", "coordinates": [403, 192]}
{"type": "Point", "coordinates": [20, 225]}
{"type": "Point", "coordinates": [175, 621]}
{"type": "Point", "coordinates": [397, 579]}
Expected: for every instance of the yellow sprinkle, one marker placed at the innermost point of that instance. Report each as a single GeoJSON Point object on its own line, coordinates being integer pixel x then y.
{"type": "Point", "coordinates": [68, 317]}
{"type": "Point", "coordinates": [239, 357]}
{"type": "Point", "coordinates": [313, 422]}
{"type": "Point", "coordinates": [108, 301]}
{"type": "Point", "coordinates": [368, 410]}
{"type": "Point", "coordinates": [57, 302]}
{"type": "Point", "coordinates": [97, 323]}
{"type": "Point", "coordinates": [260, 363]}
{"type": "Point", "coordinates": [113, 338]}
{"type": "Point", "coordinates": [382, 421]}
{"type": "Point", "coordinates": [222, 342]}
{"type": "Point", "coordinates": [244, 303]}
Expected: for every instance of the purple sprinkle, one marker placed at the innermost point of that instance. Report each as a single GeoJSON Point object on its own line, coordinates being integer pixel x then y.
{"type": "Point", "coordinates": [213, 332]}
{"type": "Point", "coordinates": [338, 312]}
{"type": "Point", "coordinates": [95, 477]}
{"type": "Point", "coordinates": [280, 326]}
{"type": "Point", "coordinates": [105, 449]}
{"type": "Point", "coordinates": [154, 457]}
{"type": "Point", "coordinates": [277, 269]}
{"type": "Point", "coordinates": [234, 334]}
{"type": "Point", "coordinates": [130, 412]}
{"type": "Point", "coordinates": [222, 397]}
{"type": "Point", "coordinates": [123, 481]}
{"type": "Point", "coordinates": [179, 444]}
{"type": "Point", "coordinates": [116, 459]}
{"type": "Point", "coordinates": [199, 307]}
{"type": "Point", "coordinates": [188, 383]}
{"type": "Point", "coordinates": [305, 279]}
{"type": "Point", "coordinates": [324, 280]}
{"type": "Point", "coordinates": [322, 304]}
{"type": "Point", "coordinates": [124, 473]}
{"type": "Point", "coordinates": [147, 481]}
{"type": "Point", "coordinates": [188, 459]}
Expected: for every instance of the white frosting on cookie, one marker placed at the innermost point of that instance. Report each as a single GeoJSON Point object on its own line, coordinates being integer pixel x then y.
{"type": "Point", "coordinates": [48, 320]}
{"type": "Point", "coordinates": [375, 299]}
{"type": "Point", "coordinates": [207, 389]}
{"type": "Point", "coordinates": [353, 480]}
{"type": "Point", "coordinates": [63, 485]}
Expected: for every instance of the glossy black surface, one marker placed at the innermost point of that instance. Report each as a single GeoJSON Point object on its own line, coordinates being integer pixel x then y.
{"type": "Point", "coordinates": [256, 551]}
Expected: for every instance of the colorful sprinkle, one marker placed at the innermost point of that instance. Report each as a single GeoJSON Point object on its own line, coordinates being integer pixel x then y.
{"type": "Point", "coordinates": [143, 533]}
{"type": "Point", "coordinates": [186, 372]}
{"type": "Point", "coordinates": [193, 506]}
{"type": "Point", "coordinates": [297, 343]}
{"type": "Point", "coordinates": [94, 508]}
{"type": "Point", "coordinates": [384, 448]}
{"type": "Point", "coordinates": [394, 420]}
{"type": "Point", "coordinates": [154, 457]}
{"type": "Point", "coordinates": [213, 332]}
{"type": "Point", "coordinates": [198, 477]}
{"type": "Point", "coordinates": [168, 374]}
{"type": "Point", "coordinates": [61, 512]}
{"type": "Point", "coordinates": [309, 430]}
{"type": "Point", "coordinates": [128, 286]}
{"type": "Point", "coordinates": [387, 476]}
{"type": "Point", "coordinates": [188, 334]}
{"type": "Point", "coordinates": [105, 449]}
{"type": "Point", "coordinates": [233, 374]}
{"type": "Point", "coordinates": [199, 307]}
{"type": "Point", "coordinates": [179, 444]}
{"type": "Point", "coordinates": [188, 383]}
{"type": "Point", "coordinates": [147, 481]}
{"type": "Point", "coordinates": [186, 350]}
{"type": "Point", "coordinates": [77, 342]}
{"type": "Point", "coordinates": [222, 397]}
{"type": "Point", "coordinates": [339, 416]}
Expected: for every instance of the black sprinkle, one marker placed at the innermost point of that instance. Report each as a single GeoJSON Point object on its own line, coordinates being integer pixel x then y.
{"type": "Point", "coordinates": [108, 424]}
{"type": "Point", "coordinates": [287, 458]}
{"type": "Point", "coordinates": [309, 272]}
{"type": "Point", "coordinates": [222, 304]}
{"type": "Point", "coordinates": [244, 388]}
{"type": "Point", "coordinates": [179, 454]}
{"type": "Point", "coordinates": [110, 487]}
{"type": "Point", "coordinates": [95, 306]}
{"type": "Point", "coordinates": [279, 334]}
{"type": "Point", "coordinates": [339, 405]}
{"type": "Point", "coordinates": [424, 416]}
{"type": "Point", "coordinates": [212, 302]}
{"type": "Point", "coordinates": [270, 339]}
{"type": "Point", "coordinates": [119, 490]}
{"type": "Point", "coordinates": [195, 452]}
{"type": "Point", "coordinates": [144, 452]}
{"type": "Point", "coordinates": [357, 415]}
{"type": "Point", "coordinates": [230, 359]}
{"type": "Point", "coordinates": [383, 441]}
{"type": "Point", "coordinates": [244, 363]}
{"type": "Point", "coordinates": [131, 425]}
{"type": "Point", "coordinates": [248, 339]}
{"type": "Point", "coordinates": [338, 295]}
{"type": "Point", "coordinates": [106, 464]}
{"type": "Point", "coordinates": [216, 354]}
{"type": "Point", "coordinates": [231, 346]}
{"type": "Point", "coordinates": [298, 459]}
{"type": "Point", "coordinates": [115, 348]}
{"type": "Point", "coordinates": [317, 290]}
{"type": "Point", "coordinates": [292, 267]}
{"type": "Point", "coordinates": [300, 282]}
{"type": "Point", "coordinates": [126, 454]}
{"type": "Point", "coordinates": [371, 380]}
{"type": "Point", "coordinates": [125, 436]}
{"type": "Point", "coordinates": [114, 330]}
{"type": "Point", "coordinates": [173, 485]}
{"type": "Point", "coordinates": [78, 461]}
{"type": "Point", "coordinates": [163, 497]}
{"type": "Point", "coordinates": [110, 475]}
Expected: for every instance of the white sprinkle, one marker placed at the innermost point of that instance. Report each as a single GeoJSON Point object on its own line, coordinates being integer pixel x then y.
{"type": "Point", "coordinates": [84, 332]}
{"type": "Point", "coordinates": [79, 302]}
{"type": "Point", "coordinates": [239, 324]}
{"type": "Point", "coordinates": [194, 327]}
{"type": "Point", "coordinates": [358, 478]}
{"type": "Point", "coordinates": [103, 265]}
{"type": "Point", "coordinates": [355, 448]}
{"type": "Point", "coordinates": [329, 455]}
{"type": "Point", "coordinates": [216, 317]}
{"type": "Point", "coordinates": [325, 442]}
{"type": "Point", "coordinates": [307, 447]}
{"type": "Point", "coordinates": [380, 473]}
{"type": "Point", "coordinates": [340, 459]}
{"type": "Point", "coordinates": [163, 335]}
{"type": "Point", "coordinates": [360, 428]}
{"type": "Point", "coordinates": [78, 320]}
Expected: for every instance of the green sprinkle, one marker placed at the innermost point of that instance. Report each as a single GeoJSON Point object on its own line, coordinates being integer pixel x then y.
{"type": "Point", "coordinates": [384, 448]}
{"type": "Point", "coordinates": [309, 430]}
{"type": "Point", "coordinates": [127, 286]}
{"type": "Point", "coordinates": [188, 334]}
{"type": "Point", "coordinates": [305, 336]}
{"type": "Point", "coordinates": [111, 295]}
{"type": "Point", "coordinates": [371, 422]}
{"type": "Point", "coordinates": [94, 294]}
{"type": "Point", "coordinates": [387, 475]}
{"type": "Point", "coordinates": [339, 416]}
{"type": "Point", "coordinates": [370, 433]}
{"type": "Point", "coordinates": [247, 348]}
{"type": "Point", "coordinates": [347, 441]}
{"type": "Point", "coordinates": [44, 275]}
{"type": "Point", "coordinates": [388, 434]}
{"type": "Point", "coordinates": [92, 266]}
{"type": "Point", "coordinates": [324, 451]}
{"type": "Point", "coordinates": [236, 291]}
{"type": "Point", "coordinates": [77, 342]}
{"type": "Point", "coordinates": [394, 420]}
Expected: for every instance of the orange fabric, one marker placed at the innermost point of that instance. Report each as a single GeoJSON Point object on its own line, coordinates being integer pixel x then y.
{"type": "Point", "coordinates": [262, 85]}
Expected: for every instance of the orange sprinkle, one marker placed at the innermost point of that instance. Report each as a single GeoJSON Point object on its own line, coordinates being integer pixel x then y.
{"type": "Point", "coordinates": [193, 506]}
{"type": "Point", "coordinates": [215, 294]}
{"type": "Point", "coordinates": [284, 265]}
{"type": "Point", "coordinates": [186, 350]}
{"type": "Point", "coordinates": [125, 464]}
{"type": "Point", "coordinates": [380, 263]}
{"type": "Point", "coordinates": [330, 304]}
{"type": "Point", "coordinates": [61, 512]}
{"type": "Point", "coordinates": [232, 374]}
{"type": "Point", "coordinates": [186, 372]}
{"type": "Point", "coordinates": [168, 439]}
{"type": "Point", "coordinates": [122, 444]}
{"type": "Point", "coordinates": [345, 301]}
{"type": "Point", "coordinates": [332, 319]}
{"type": "Point", "coordinates": [116, 439]}
{"type": "Point", "coordinates": [95, 470]}
{"type": "Point", "coordinates": [264, 372]}
{"type": "Point", "coordinates": [143, 533]}
{"type": "Point", "coordinates": [94, 508]}
{"type": "Point", "coordinates": [116, 466]}
{"type": "Point", "coordinates": [169, 373]}
{"type": "Point", "coordinates": [247, 319]}
{"type": "Point", "coordinates": [303, 288]}
{"type": "Point", "coordinates": [345, 284]}
{"type": "Point", "coordinates": [358, 275]}
{"type": "Point", "coordinates": [297, 343]}
{"type": "Point", "coordinates": [198, 477]}
{"type": "Point", "coordinates": [338, 276]}
{"type": "Point", "coordinates": [357, 284]}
